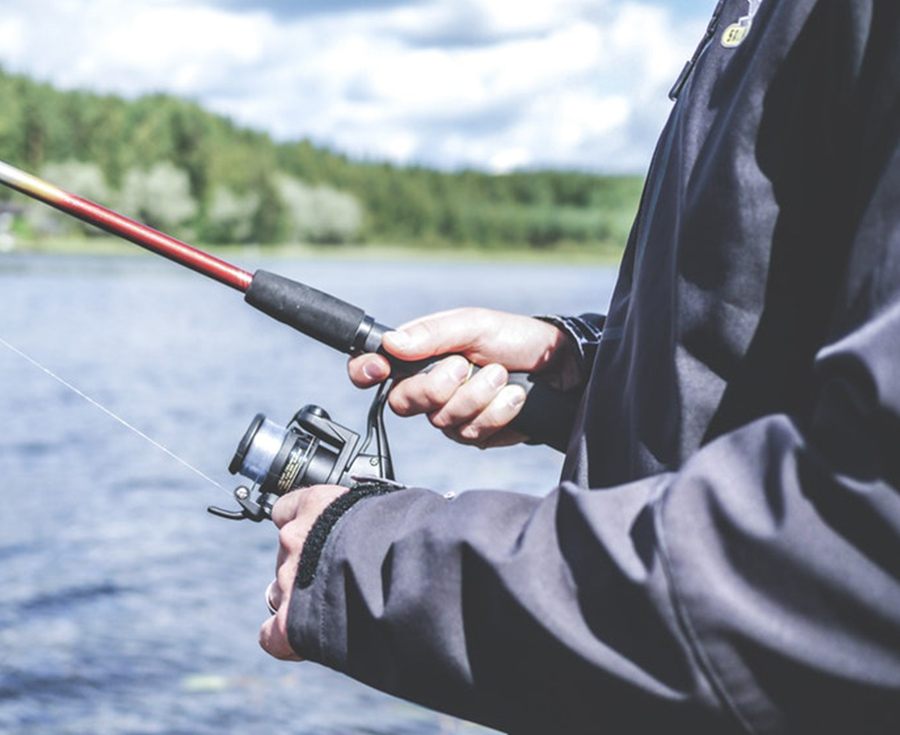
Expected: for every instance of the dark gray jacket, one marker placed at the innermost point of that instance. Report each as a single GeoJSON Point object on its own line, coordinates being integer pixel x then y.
{"type": "Point", "coordinates": [723, 554]}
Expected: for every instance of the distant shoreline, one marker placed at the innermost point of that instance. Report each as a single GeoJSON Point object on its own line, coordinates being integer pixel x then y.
{"type": "Point", "coordinates": [597, 253]}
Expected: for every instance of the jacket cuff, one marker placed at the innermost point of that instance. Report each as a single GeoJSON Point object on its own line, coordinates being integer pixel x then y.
{"type": "Point", "coordinates": [318, 534]}
{"type": "Point", "coordinates": [584, 332]}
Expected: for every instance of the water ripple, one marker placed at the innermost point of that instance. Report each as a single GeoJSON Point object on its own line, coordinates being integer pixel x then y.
{"type": "Point", "coordinates": [16, 684]}
{"type": "Point", "coordinates": [13, 551]}
{"type": "Point", "coordinates": [51, 602]}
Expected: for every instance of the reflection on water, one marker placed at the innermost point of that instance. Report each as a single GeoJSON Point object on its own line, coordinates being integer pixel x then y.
{"type": "Point", "coordinates": [125, 608]}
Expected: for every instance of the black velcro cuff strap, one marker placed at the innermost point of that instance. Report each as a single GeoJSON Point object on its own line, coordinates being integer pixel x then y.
{"type": "Point", "coordinates": [318, 534]}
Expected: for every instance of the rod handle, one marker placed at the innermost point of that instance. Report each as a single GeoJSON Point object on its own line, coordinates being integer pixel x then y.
{"type": "Point", "coordinates": [325, 318]}
{"type": "Point", "coordinates": [547, 416]}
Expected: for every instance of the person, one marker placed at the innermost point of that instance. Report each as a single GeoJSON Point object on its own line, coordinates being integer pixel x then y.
{"type": "Point", "coordinates": [723, 551]}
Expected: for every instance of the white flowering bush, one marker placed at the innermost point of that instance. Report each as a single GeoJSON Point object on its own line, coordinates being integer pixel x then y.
{"type": "Point", "coordinates": [319, 214]}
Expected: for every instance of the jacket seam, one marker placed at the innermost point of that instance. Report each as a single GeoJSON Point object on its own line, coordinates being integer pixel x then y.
{"type": "Point", "coordinates": [705, 664]}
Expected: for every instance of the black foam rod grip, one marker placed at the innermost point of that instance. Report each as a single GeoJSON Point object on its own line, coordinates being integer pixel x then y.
{"type": "Point", "coordinates": [317, 314]}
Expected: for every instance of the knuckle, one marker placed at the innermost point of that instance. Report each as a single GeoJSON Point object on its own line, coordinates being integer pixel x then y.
{"type": "Point", "coordinates": [289, 538]}
{"type": "Point", "coordinates": [282, 510]}
{"type": "Point", "coordinates": [411, 396]}
{"type": "Point", "coordinates": [442, 420]}
{"type": "Point", "coordinates": [436, 392]}
{"type": "Point", "coordinates": [471, 401]}
{"type": "Point", "coordinates": [265, 636]}
{"type": "Point", "coordinates": [284, 537]}
{"type": "Point", "coordinates": [490, 380]}
{"type": "Point", "coordinates": [454, 435]}
{"type": "Point", "coordinates": [506, 404]}
{"type": "Point", "coordinates": [470, 433]}
{"type": "Point", "coordinates": [478, 430]}
{"type": "Point", "coordinates": [399, 402]}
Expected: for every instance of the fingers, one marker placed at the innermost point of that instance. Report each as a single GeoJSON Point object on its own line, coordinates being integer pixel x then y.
{"type": "Point", "coordinates": [484, 336]}
{"type": "Point", "coordinates": [442, 333]}
{"type": "Point", "coordinates": [294, 514]}
{"type": "Point", "coordinates": [487, 427]}
{"type": "Point", "coordinates": [278, 593]}
{"type": "Point", "coordinates": [304, 505]}
{"type": "Point", "coordinates": [274, 639]}
{"type": "Point", "coordinates": [470, 411]}
{"type": "Point", "coordinates": [428, 391]}
{"type": "Point", "coordinates": [471, 398]}
{"type": "Point", "coordinates": [273, 635]}
{"type": "Point", "coordinates": [368, 370]}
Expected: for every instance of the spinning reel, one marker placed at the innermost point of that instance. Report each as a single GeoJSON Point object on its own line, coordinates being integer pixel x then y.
{"type": "Point", "coordinates": [311, 450]}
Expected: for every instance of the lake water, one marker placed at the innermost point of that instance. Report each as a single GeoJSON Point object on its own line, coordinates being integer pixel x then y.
{"type": "Point", "coordinates": [124, 607]}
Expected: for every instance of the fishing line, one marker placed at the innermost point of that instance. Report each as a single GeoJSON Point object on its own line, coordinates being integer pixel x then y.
{"type": "Point", "coordinates": [109, 413]}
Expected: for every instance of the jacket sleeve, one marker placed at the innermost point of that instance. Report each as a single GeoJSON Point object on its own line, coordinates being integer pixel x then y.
{"type": "Point", "coordinates": [757, 589]}
{"type": "Point", "coordinates": [523, 614]}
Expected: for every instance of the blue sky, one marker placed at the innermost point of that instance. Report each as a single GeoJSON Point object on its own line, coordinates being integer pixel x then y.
{"type": "Point", "coordinates": [497, 85]}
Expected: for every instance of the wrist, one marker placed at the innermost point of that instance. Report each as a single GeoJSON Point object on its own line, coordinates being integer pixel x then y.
{"type": "Point", "coordinates": [570, 363]}
{"type": "Point", "coordinates": [325, 522]}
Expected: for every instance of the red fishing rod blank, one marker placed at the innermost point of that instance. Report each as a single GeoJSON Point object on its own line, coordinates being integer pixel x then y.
{"type": "Point", "coordinates": [129, 229]}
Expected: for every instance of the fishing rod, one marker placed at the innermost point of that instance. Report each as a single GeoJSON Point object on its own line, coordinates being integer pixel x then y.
{"type": "Point", "coordinates": [121, 226]}
{"type": "Point", "coordinates": [545, 417]}
{"type": "Point", "coordinates": [317, 314]}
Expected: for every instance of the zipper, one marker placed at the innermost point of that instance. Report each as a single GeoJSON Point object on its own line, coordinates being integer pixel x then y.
{"type": "Point", "coordinates": [698, 52]}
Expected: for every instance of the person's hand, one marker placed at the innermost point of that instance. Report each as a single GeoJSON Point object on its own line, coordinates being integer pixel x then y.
{"type": "Point", "coordinates": [470, 411]}
{"type": "Point", "coordinates": [294, 514]}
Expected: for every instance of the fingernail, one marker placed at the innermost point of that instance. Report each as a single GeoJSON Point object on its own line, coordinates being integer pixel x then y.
{"type": "Point", "coordinates": [399, 340]}
{"type": "Point", "coordinates": [516, 396]}
{"type": "Point", "coordinates": [459, 369]}
{"type": "Point", "coordinates": [374, 371]}
{"type": "Point", "coordinates": [495, 376]}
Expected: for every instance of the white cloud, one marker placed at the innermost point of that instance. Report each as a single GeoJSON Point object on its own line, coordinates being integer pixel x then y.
{"type": "Point", "coordinates": [488, 83]}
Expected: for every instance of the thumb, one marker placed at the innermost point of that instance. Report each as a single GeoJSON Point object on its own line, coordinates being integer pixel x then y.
{"type": "Point", "coordinates": [413, 343]}
{"type": "Point", "coordinates": [401, 343]}
{"type": "Point", "coordinates": [439, 334]}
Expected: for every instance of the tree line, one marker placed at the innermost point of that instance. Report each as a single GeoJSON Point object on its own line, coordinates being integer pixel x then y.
{"type": "Point", "coordinates": [180, 168]}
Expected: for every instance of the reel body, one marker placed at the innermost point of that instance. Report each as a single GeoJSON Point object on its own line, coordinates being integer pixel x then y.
{"type": "Point", "coordinates": [311, 450]}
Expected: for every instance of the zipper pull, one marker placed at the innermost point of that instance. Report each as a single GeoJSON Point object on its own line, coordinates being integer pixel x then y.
{"type": "Point", "coordinates": [701, 47]}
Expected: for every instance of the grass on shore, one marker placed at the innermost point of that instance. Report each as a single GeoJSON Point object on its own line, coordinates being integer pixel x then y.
{"type": "Point", "coordinates": [603, 253]}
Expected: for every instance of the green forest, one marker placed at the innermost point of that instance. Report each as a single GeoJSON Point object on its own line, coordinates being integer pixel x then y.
{"type": "Point", "coordinates": [172, 164]}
